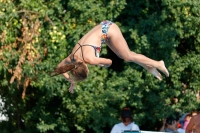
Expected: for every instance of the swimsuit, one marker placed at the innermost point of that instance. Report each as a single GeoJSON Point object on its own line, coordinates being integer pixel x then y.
{"type": "Point", "coordinates": [95, 48]}
{"type": "Point", "coordinates": [104, 38]}
{"type": "Point", "coordinates": [105, 25]}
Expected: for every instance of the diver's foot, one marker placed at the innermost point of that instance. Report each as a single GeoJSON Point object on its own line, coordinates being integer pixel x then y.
{"type": "Point", "coordinates": [162, 68]}
{"type": "Point", "coordinates": [154, 71]}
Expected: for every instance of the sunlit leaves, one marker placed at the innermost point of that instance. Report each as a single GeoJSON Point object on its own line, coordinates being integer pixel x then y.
{"type": "Point", "coordinates": [160, 29]}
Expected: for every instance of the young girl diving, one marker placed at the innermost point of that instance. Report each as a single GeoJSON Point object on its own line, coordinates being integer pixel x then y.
{"type": "Point", "coordinates": [86, 51]}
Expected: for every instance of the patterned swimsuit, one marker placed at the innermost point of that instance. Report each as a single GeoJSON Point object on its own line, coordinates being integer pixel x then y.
{"type": "Point", "coordinates": [104, 38]}
{"type": "Point", "coordinates": [105, 26]}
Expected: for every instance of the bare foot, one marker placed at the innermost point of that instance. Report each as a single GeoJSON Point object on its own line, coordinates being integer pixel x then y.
{"type": "Point", "coordinates": [163, 68]}
{"type": "Point", "coordinates": [154, 71]}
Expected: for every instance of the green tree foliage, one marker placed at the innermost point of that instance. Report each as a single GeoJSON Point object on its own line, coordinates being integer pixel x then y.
{"type": "Point", "coordinates": [36, 35]}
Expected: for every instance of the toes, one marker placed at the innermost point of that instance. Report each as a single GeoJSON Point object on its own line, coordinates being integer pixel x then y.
{"type": "Point", "coordinates": [166, 72]}
{"type": "Point", "coordinates": [158, 77]}
{"type": "Point", "coordinates": [156, 73]}
{"type": "Point", "coordinates": [164, 69]}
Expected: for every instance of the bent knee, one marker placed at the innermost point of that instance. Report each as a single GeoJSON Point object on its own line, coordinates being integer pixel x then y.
{"type": "Point", "coordinates": [127, 57]}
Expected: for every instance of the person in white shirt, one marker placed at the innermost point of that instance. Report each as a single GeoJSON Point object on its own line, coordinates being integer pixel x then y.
{"type": "Point", "coordinates": [126, 122]}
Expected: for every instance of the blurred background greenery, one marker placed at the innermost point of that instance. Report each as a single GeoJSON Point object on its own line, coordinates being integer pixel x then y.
{"type": "Point", "coordinates": [35, 35]}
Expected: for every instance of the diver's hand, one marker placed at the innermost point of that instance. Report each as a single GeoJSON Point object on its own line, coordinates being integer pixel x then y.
{"type": "Point", "coordinates": [71, 89]}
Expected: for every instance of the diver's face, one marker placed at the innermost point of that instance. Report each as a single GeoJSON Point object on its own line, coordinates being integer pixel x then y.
{"type": "Point", "coordinates": [71, 78]}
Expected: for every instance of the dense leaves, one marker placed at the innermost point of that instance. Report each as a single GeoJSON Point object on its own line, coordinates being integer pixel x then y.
{"type": "Point", "coordinates": [36, 35]}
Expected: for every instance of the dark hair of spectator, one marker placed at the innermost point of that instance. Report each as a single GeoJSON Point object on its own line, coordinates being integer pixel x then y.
{"type": "Point", "coordinates": [189, 114]}
{"type": "Point", "coordinates": [126, 113]}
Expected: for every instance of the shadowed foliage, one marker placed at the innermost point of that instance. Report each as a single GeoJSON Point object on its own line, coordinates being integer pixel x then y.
{"type": "Point", "coordinates": [36, 35]}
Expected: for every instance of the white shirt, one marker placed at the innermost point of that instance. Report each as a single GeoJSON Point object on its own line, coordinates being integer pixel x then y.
{"type": "Point", "coordinates": [180, 130]}
{"type": "Point", "coordinates": [119, 128]}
